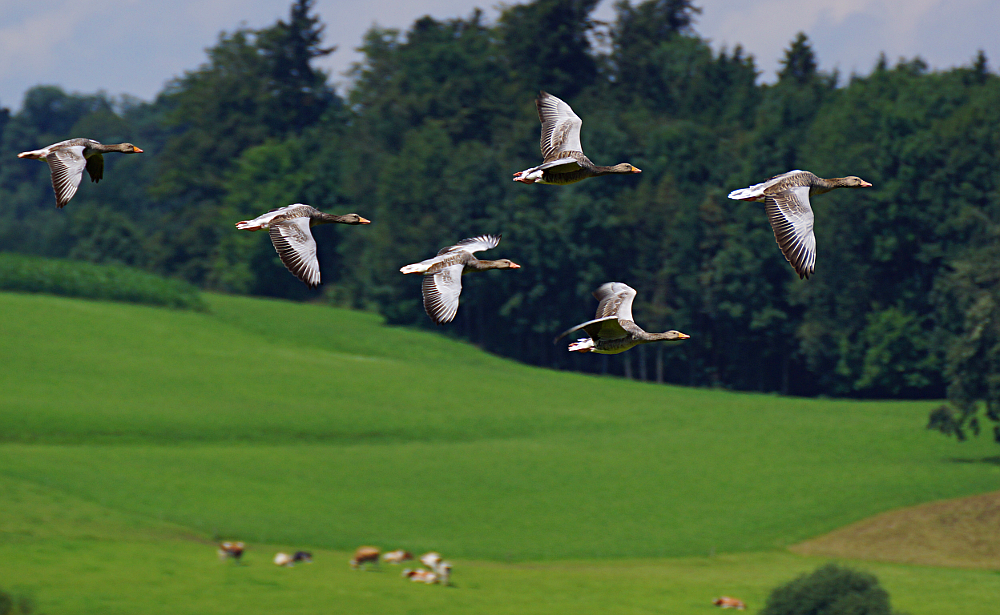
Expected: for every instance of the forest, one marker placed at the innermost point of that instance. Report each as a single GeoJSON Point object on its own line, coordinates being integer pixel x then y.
{"type": "Point", "coordinates": [903, 303]}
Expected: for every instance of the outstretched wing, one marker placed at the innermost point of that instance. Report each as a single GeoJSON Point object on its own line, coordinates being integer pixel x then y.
{"type": "Point", "coordinates": [474, 244]}
{"type": "Point", "coordinates": [615, 299]}
{"type": "Point", "coordinates": [560, 127]}
{"type": "Point", "coordinates": [792, 218]}
{"type": "Point", "coordinates": [441, 292]}
{"type": "Point", "coordinates": [294, 243]}
{"type": "Point", "coordinates": [67, 166]}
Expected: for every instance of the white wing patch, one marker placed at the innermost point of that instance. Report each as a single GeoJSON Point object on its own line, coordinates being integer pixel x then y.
{"type": "Point", "coordinates": [294, 243]}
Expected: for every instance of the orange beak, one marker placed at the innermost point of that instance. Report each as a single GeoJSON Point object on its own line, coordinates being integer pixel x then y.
{"type": "Point", "coordinates": [865, 184]}
{"type": "Point", "coordinates": [636, 170]}
{"type": "Point", "coordinates": [515, 266]}
{"type": "Point", "coordinates": [682, 336]}
{"type": "Point", "coordinates": [136, 150]}
{"type": "Point", "coordinates": [363, 220]}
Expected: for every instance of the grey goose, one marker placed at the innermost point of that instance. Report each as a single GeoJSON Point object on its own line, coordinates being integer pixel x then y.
{"type": "Point", "coordinates": [442, 284]}
{"type": "Point", "coordinates": [613, 331]}
{"type": "Point", "coordinates": [291, 235]}
{"type": "Point", "coordinates": [563, 160]}
{"type": "Point", "coordinates": [68, 159]}
{"type": "Point", "coordinates": [786, 201]}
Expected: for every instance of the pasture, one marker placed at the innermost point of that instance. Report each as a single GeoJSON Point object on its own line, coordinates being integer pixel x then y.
{"type": "Point", "coordinates": [132, 436]}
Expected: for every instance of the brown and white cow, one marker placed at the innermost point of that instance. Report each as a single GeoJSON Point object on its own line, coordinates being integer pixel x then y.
{"type": "Point", "coordinates": [397, 557]}
{"type": "Point", "coordinates": [231, 550]}
{"type": "Point", "coordinates": [729, 603]}
{"type": "Point", "coordinates": [420, 575]}
{"type": "Point", "coordinates": [365, 555]}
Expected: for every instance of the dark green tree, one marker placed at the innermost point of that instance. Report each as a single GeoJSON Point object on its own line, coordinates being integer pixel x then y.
{"type": "Point", "coordinates": [830, 590]}
{"type": "Point", "coordinates": [546, 43]}
{"type": "Point", "coordinates": [972, 294]}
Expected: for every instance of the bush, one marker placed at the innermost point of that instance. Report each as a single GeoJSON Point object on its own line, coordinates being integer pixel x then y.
{"type": "Point", "coordinates": [830, 590]}
{"type": "Point", "coordinates": [31, 274]}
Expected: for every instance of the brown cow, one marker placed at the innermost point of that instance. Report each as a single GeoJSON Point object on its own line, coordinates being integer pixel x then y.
{"type": "Point", "coordinates": [726, 602]}
{"type": "Point", "coordinates": [231, 549]}
{"type": "Point", "coordinates": [365, 555]}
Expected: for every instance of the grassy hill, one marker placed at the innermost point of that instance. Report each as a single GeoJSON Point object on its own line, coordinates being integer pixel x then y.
{"type": "Point", "coordinates": [306, 426]}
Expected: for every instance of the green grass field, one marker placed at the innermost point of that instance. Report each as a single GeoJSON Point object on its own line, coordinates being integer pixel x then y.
{"type": "Point", "coordinates": [131, 436]}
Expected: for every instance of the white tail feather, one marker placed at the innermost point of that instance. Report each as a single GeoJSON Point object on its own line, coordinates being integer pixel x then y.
{"type": "Point", "coordinates": [582, 345]}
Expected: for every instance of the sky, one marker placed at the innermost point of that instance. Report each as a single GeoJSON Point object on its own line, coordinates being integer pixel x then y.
{"type": "Point", "coordinates": [135, 46]}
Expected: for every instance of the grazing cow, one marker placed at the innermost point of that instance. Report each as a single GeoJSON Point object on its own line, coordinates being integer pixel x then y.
{"type": "Point", "coordinates": [431, 560]}
{"type": "Point", "coordinates": [420, 576]}
{"type": "Point", "coordinates": [231, 549]}
{"type": "Point", "coordinates": [440, 567]}
{"type": "Point", "coordinates": [365, 555]}
{"type": "Point", "coordinates": [284, 559]}
{"type": "Point", "coordinates": [726, 602]}
{"type": "Point", "coordinates": [397, 557]}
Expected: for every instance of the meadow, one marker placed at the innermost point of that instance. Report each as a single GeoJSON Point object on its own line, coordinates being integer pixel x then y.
{"type": "Point", "coordinates": [131, 437]}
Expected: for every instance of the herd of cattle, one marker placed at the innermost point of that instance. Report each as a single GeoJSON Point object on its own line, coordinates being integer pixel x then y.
{"type": "Point", "coordinates": [436, 570]}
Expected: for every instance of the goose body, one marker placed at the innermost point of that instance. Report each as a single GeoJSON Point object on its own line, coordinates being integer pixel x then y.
{"type": "Point", "coordinates": [291, 235]}
{"type": "Point", "coordinates": [613, 331]}
{"type": "Point", "coordinates": [443, 273]}
{"type": "Point", "coordinates": [786, 201]}
{"type": "Point", "coordinates": [563, 160]}
{"type": "Point", "coordinates": [68, 159]}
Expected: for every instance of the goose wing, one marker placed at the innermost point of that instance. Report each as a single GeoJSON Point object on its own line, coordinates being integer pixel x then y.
{"type": "Point", "coordinates": [441, 292]}
{"type": "Point", "coordinates": [599, 329]}
{"type": "Point", "coordinates": [66, 165]}
{"type": "Point", "coordinates": [294, 243]}
{"type": "Point", "coordinates": [792, 218]}
{"type": "Point", "coordinates": [615, 299]}
{"type": "Point", "coordinates": [95, 167]}
{"type": "Point", "coordinates": [560, 127]}
{"type": "Point", "coordinates": [474, 244]}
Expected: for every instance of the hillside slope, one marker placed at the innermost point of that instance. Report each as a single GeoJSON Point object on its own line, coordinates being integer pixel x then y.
{"type": "Point", "coordinates": [960, 532]}
{"type": "Point", "coordinates": [282, 422]}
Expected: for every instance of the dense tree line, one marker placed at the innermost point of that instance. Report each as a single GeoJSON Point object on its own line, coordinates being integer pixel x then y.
{"type": "Point", "coordinates": [438, 118]}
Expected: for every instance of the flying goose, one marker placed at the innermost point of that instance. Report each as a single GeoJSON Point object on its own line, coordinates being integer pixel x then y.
{"type": "Point", "coordinates": [443, 274]}
{"type": "Point", "coordinates": [563, 161]}
{"type": "Point", "coordinates": [67, 159]}
{"type": "Point", "coordinates": [786, 201]}
{"type": "Point", "coordinates": [292, 238]}
{"type": "Point", "coordinates": [613, 331]}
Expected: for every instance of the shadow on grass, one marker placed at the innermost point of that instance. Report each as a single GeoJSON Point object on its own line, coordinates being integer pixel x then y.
{"type": "Point", "coordinates": [995, 460]}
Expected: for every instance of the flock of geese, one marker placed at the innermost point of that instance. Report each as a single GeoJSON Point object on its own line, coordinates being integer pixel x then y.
{"type": "Point", "coordinates": [785, 198]}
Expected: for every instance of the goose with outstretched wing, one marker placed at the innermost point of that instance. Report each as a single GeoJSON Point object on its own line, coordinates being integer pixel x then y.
{"type": "Point", "coordinates": [563, 160]}
{"type": "Point", "coordinates": [613, 330]}
{"type": "Point", "coordinates": [443, 273]}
